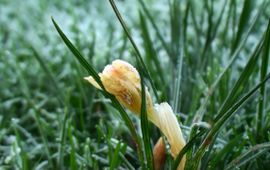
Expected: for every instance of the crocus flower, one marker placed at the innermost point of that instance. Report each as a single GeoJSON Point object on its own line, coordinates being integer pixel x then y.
{"type": "Point", "coordinates": [123, 81]}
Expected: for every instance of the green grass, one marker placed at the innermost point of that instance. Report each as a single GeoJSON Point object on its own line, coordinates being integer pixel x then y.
{"type": "Point", "coordinates": [207, 59]}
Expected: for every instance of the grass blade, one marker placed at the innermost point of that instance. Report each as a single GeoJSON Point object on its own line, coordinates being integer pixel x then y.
{"type": "Point", "coordinates": [234, 93]}
{"type": "Point", "coordinates": [220, 156]}
{"type": "Point", "coordinates": [263, 71]}
{"type": "Point", "coordinates": [153, 23]}
{"type": "Point", "coordinates": [251, 154]}
{"type": "Point", "coordinates": [72, 158]}
{"type": "Point", "coordinates": [23, 155]}
{"type": "Point", "coordinates": [177, 43]}
{"type": "Point", "coordinates": [26, 92]}
{"type": "Point", "coordinates": [208, 40]}
{"type": "Point", "coordinates": [58, 91]}
{"type": "Point", "coordinates": [186, 148]}
{"type": "Point", "coordinates": [115, 158]}
{"type": "Point", "coordinates": [177, 87]}
{"type": "Point", "coordinates": [62, 139]}
{"type": "Point", "coordinates": [176, 23]}
{"type": "Point", "coordinates": [78, 55]}
{"type": "Point", "coordinates": [220, 122]}
{"type": "Point", "coordinates": [137, 52]}
{"type": "Point", "coordinates": [244, 18]}
{"type": "Point", "coordinates": [144, 127]}
{"type": "Point", "coordinates": [94, 74]}
{"type": "Point", "coordinates": [151, 54]}
{"type": "Point", "coordinates": [201, 110]}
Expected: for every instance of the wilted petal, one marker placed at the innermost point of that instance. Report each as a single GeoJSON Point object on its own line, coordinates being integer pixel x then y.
{"type": "Point", "coordinates": [165, 119]}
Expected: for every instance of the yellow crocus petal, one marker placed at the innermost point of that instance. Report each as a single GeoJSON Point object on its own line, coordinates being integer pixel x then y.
{"type": "Point", "coordinates": [127, 94]}
{"type": "Point", "coordinates": [128, 71]}
{"type": "Point", "coordinates": [123, 81]}
{"type": "Point", "coordinates": [165, 119]}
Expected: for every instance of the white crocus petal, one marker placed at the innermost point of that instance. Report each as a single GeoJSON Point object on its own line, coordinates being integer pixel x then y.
{"type": "Point", "coordinates": [165, 119]}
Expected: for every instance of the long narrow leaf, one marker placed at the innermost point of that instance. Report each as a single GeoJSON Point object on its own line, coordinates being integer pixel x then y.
{"type": "Point", "coordinates": [201, 110]}
{"type": "Point", "coordinates": [186, 148]}
{"type": "Point", "coordinates": [151, 53]}
{"type": "Point", "coordinates": [220, 123]}
{"type": "Point", "coordinates": [138, 54]}
{"type": "Point", "coordinates": [246, 13]}
{"type": "Point", "coordinates": [264, 66]}
{"type": "Point", "coordinates": [94, 74]}
{"type": "Point", "coordinates": [220, 156]}
{"type": "Point", "coordinates": [251, 154]}
{"type": "Point", "coordinates": [144, 127]}
{"type": "Point", "coordinates": [233, 94]}
{"type": "Point", "coordinates": [153, 23]}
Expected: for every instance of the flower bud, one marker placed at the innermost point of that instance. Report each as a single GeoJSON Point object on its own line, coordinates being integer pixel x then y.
{"type": "Point", "coordinates": [123, 81]}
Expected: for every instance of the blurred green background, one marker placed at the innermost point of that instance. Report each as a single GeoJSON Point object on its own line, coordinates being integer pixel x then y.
{"type": "Point", "coordinates": [203, 56]}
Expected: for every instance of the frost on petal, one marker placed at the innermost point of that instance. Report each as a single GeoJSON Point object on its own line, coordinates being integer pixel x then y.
{"type": "Point", "coordinates": [128, 72]}
{"type": "Point", "coordinates": [123, 81]}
